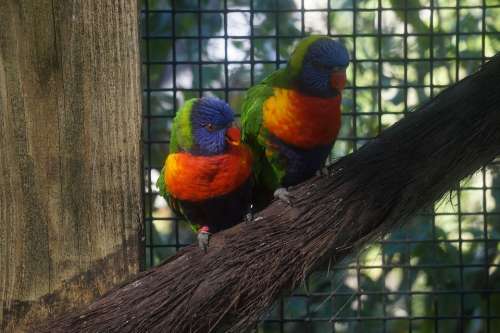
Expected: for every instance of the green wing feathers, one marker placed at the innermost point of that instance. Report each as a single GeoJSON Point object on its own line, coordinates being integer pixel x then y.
{"type": "Point", "coordinates": [163, 191]}
{"type": "Point", "coordinates": [251, 110]}
{"type": "Point", "coordinates": [251, 122]}
{"type": "Point", "coordinates": [251, 115]}
{"type": "Point", "coordinates": [268, 168]}
{"type": "Point", "coordinates": [160, 183]}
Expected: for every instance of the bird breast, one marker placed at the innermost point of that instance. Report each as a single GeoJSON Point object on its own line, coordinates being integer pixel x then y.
{"type": "Point", "coordinates": [197, 178]}
{"type": "Point", "coordinates": [301, 120]}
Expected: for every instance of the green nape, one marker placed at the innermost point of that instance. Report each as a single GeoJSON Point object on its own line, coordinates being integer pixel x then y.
{"type": "Point", "coordinates": [286, 77]}
{"type": "Point", "coordinates": [181, 136]}
{"type": "Point", "coordinates": [181, 139]}
{"type": "Point", "coordinates": [298, 54]}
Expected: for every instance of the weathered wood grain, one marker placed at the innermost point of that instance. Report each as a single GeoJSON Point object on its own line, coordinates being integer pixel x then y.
{"type": "Point", "coordinates": [70, 121]}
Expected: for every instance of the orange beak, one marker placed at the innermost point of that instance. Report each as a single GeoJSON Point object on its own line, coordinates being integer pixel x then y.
{"type": "Point", "coordinates": [233, 136]}
{"type": "Point", "coordinates": [338, 80]}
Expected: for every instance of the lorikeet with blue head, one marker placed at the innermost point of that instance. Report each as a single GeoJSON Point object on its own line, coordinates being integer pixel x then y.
{"type": "Point", "coordinates": [207, 176]}
{"type": "Point", "coordinates": [292, 118]}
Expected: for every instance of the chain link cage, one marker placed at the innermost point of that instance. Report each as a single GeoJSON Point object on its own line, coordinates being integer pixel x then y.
{"type": "Point", "coordinates": [439, 273]}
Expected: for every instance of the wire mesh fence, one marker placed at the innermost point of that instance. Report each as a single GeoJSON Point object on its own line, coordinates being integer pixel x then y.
{"type": "Point", "coordinates": [439, 273]}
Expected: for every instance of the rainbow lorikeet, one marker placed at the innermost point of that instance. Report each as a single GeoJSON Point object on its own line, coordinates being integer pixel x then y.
{"type": "Point", "coordinates": [292, 118]}
{"type": "Point", "coordinates": [207, 177]}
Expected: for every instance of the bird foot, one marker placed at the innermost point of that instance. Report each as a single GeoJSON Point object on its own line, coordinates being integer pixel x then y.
{"type": "Point", "coordinates": [204, 239]}
{"type": "Point", "coordinates": [323, 172]}
{"type": "Point", "coordinates": [249, 214]}
{"type": "Point", "coordinates": [283, 195]}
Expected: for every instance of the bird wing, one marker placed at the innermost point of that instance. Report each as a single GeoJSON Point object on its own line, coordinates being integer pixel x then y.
{"type": "Point", "coordinates": [267, 167]}
{"type": "Point", "coordinates": [163, 191]}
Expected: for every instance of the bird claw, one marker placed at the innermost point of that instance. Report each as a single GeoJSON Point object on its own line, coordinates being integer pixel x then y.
{"type": "Point", "coordinates": [204, 240]}
{"type": "Point", "coordinates": [283, 195]}
{"type": "Point", "coordinates": [323, 172]}
{"type": "Point", "coordinates": [248, 217]}
{"type": "Point", "coordinates": [249, 214]}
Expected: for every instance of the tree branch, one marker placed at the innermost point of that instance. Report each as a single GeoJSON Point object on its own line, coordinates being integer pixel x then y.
{"type": "Point", "coordinates": [369, 192]}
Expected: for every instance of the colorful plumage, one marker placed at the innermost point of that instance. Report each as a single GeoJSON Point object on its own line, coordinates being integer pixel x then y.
{"type": "Point", "coordinates": [207, 174]}
{"type": "Point", "coordinates": [292, 118]}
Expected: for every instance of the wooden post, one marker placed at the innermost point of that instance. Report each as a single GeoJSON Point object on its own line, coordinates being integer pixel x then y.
{"type": "Point", "coordinates": [70, 124]}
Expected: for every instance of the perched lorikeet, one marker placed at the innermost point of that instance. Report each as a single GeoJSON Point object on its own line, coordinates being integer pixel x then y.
{"type": "Point", "coordinates": [292, 118]}
{"type": "Point", "coordinates": [207, 174]}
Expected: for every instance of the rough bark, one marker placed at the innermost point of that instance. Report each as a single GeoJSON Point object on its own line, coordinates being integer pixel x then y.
{"type": "Point", "coordinates": [70, 188]}
{"type": "Point", "coordinates": [368, 193]}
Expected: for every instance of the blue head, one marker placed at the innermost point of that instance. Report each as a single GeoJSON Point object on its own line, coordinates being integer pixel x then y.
{"type": "Point", "coordinates": [323, 68]}
{"type": "Point", "coordinates": [211, 118]}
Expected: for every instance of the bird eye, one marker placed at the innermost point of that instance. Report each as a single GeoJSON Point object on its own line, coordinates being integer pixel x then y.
{"type": "Point", "coordinates": [209, 127]}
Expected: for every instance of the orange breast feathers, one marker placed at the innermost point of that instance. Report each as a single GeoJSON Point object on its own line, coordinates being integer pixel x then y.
{"type": "Point", "coordinates": [303, 121]}
{"type": "Point", "coordinates": [196, 178]}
